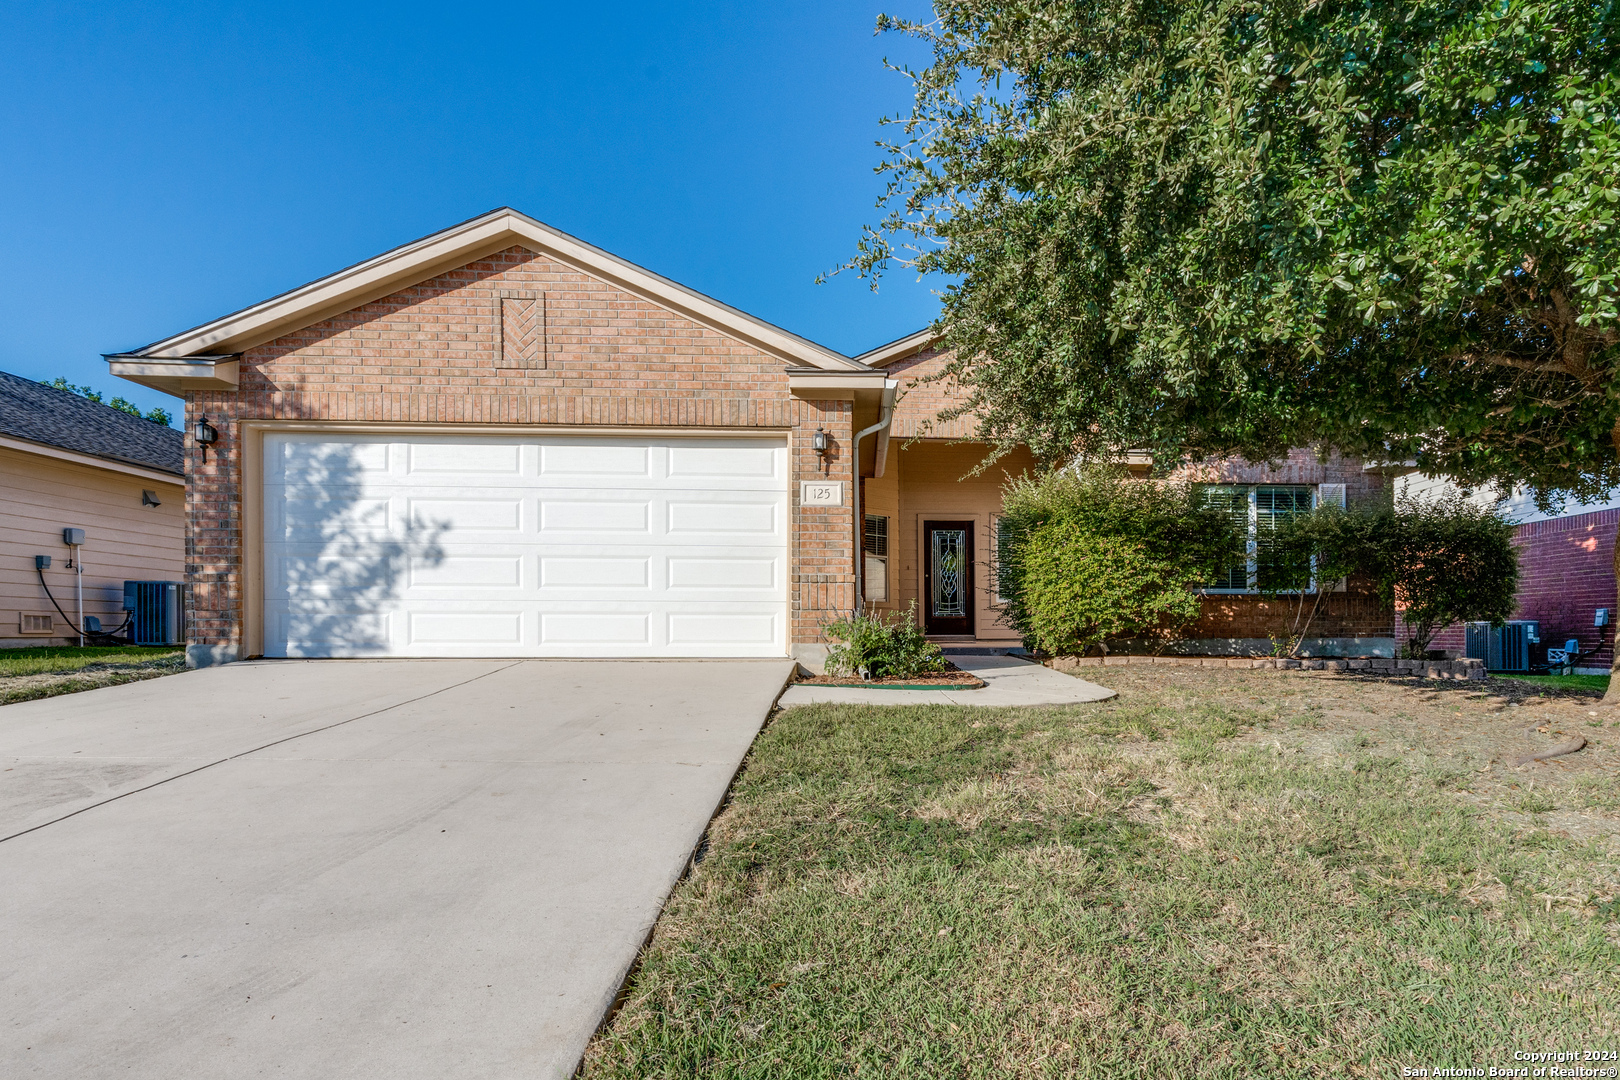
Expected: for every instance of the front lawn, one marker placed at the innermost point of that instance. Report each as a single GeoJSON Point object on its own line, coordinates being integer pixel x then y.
{"type": "Point", "coordinates": [26, 674]}
{"type": "Point", "coordinates": [1599, 683]}
{"type": "Point", "coordinates": [1221, 873]}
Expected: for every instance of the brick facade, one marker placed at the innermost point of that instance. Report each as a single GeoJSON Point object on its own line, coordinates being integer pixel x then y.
{"type": "Point", "coordinates": [1355, 613]}
{"type": "Point", "coordinates": [436, 352]}
{"type": "Point", "coordinates": [1566, 572]}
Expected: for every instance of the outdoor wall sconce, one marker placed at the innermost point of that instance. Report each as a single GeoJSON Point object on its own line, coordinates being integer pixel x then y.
{"type": "Point", "coordinates": [818, 443]}
{"type": "Point", "coordinates": [203, 434]}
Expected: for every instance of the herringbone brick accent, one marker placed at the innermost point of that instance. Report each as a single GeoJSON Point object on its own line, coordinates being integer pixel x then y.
{"type": "Point", "coordinates": [523, 332]}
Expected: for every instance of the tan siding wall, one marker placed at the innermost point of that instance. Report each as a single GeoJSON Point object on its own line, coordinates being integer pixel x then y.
{"type": "Point", "coordinates": [432, 353]}
{"type": "Point", "coordinates": [928, 481]}
{"type": "Point", "coordinates": [39, 497]}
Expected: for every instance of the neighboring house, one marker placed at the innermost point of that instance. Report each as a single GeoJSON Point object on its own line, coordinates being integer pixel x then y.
{"type": "Point", "coordinates": [1566, 568]}
{"type": "Point", "coordinates": [502, 441]}
{"type": "Point", "coordinates": [68, 462]}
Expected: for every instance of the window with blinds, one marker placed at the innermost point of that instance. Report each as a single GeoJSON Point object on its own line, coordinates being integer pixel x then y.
{"type": "Point", "coordinates": [1258, 512]}
{"type": "Point", "coordinates": [875, 549]}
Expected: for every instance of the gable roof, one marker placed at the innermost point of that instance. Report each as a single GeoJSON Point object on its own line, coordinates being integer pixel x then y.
{"type": "Point", "coordinates": [898, 349]}
{"type": "Point", "coordinates": [52, 417]}
{"type": "Point", "coordinates": [456, 246]}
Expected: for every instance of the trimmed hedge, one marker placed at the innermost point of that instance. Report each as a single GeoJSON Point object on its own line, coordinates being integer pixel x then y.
{"type": "Point", "coordinates": [1090, 554]}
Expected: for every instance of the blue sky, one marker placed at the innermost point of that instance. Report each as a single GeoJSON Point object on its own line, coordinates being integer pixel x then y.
{"type": "Point", "coordinates": [167, 163]}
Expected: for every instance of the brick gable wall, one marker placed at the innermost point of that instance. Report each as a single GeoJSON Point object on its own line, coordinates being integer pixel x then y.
{"type": "Point", "coordinates": [436, 352]}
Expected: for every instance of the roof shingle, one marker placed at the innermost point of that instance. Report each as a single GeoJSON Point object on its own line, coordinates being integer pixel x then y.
{"type": "Point", "coordinates": [44, 414]}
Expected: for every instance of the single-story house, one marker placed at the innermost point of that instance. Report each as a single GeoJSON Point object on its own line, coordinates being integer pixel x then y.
{"type": "Point", "coordinates": [70, 463]}
{"type": "Point", "coordinates": [500, 440]}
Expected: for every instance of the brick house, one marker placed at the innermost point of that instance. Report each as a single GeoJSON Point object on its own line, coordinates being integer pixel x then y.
{"type": "Point", "coordinates": [1566, 570]}
{"type": "Point", "coordinates": [499, 440]}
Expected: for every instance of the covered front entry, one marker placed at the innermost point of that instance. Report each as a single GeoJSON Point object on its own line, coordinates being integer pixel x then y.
{"type": "Point", "coordinates": [463, 545]}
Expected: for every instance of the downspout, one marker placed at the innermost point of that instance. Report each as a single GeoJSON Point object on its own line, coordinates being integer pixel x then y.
{"type": "Point", "coordinates": [885, 417]}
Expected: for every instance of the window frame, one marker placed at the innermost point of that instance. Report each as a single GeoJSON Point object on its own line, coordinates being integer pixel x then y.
{"type": "Point", "coordinates": [996, 598]}
{"type": "Point", "coordinates": [1251, 562]}
{"type": "Point", "coordinates": [868, 556]}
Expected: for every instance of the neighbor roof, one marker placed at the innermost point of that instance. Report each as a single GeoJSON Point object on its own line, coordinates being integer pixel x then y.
{"type": "Point", "coordinates": [456, 246]}
{"type": "Point", "coordinates": [44, 414]}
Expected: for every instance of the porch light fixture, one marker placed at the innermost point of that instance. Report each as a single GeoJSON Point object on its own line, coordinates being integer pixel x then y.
{"type": "Point", "coordinates": [818, 443]}
{"type": "Point", "coordinates": [203, 434]}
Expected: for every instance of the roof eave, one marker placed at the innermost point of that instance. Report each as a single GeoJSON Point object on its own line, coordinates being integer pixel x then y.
{"type": "Point", "coordinates": [176, 374]}
{"type": "Point", "coordinates": [899, 349]}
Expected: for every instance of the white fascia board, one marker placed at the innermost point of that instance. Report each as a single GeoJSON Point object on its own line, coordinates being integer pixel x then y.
{"type": "Point", "coordinates": [468, 242]}
{"type": "Point", "coordinates": [177, 374]}
{"type": "Point", "coordinates": [59, 453]}
{"type": "Point", "coordinates": [823, 383]}
{"type": "Point", "coordinates": [898, 350]}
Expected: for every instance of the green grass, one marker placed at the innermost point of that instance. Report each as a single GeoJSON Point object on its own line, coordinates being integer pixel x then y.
{"type": "Point", "coordinates": [47, 661]}
{"type": "Point", "coordinates": [1119, 890]}
{"type": "Point", "coordinates": [1560, 682]}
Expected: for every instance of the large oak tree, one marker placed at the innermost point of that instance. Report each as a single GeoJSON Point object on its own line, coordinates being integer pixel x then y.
{"type": "Point", "coordinates": [1208, 227]}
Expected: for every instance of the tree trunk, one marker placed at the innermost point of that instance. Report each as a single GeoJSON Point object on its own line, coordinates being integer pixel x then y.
{"type": "Point", "coordinates": [1611, 697]}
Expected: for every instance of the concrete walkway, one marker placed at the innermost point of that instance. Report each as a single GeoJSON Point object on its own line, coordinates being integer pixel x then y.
{"type": "Point", "coordinates": [1011, 682]}
{"type": "Point", "coordinates": [340, 869]}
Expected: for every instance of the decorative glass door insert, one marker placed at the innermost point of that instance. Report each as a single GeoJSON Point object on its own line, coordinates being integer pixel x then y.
{"type": "Point", "coordinates": [948, 578]}
{"type": "Point", "coordinates": [949, 555]}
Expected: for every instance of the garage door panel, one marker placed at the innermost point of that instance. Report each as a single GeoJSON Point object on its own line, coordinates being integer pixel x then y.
{"type": "Point", "coordinates": [323, 463]}
{"type": "Point", "coordinates": [302, 520]}
{"type": "Point", "coordinates": [465, 572]}
{"type": "Point", "coordinates": [730, 573]}
{"type": "Point", "coordinates": [586, 628]}
{"type": "Point", "coordinates": [464, 628]}
{"type": "Point", "coordinates": [712, 517]}
{"type": "Point", "coordinates": [467, 515]}
{"type": "Point", "coordinates": [482, 459]}
{"type": "Point", "coordinates": [595, 460]}
{"type": "Point", "coordinates": [730, 629]}
{"type": "Point", "coordinates": [572, 572]}
{"type": "Point", "coordinates": [725, 461]}
{"type": "Point", "coordinates": [473, 546]}
{"type": "Point", "coordinates": [572, 516]}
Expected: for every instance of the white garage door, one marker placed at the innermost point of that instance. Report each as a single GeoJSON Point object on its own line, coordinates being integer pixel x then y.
{"type": "Point", "coordinates": [488, 546]}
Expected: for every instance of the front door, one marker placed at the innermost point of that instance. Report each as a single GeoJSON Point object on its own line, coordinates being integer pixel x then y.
{"type": "Point", "coordinates": [948, 577]}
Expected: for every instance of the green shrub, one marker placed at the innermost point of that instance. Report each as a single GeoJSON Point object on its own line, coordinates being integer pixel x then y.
{"type": "Point", "coordinates": [882, 649]}
{"type": "Point", "coordinates": [1091, 554]}
{"type": "Point", "coordinates": [1442, 560]}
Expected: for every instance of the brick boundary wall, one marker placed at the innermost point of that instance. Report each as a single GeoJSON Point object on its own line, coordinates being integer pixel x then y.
{"type": "Point", "coordinates": [1566, 572]}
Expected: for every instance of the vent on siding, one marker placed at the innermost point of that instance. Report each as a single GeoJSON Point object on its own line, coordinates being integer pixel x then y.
{"type": "Point", "coordinates": [36, 624]}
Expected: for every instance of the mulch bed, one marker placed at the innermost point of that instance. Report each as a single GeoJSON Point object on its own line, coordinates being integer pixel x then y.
{"type": "Point", "coordinates": [954, 679]}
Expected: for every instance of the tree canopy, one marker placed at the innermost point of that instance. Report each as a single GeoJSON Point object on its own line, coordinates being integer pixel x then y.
{"type": "Point", "coordinates": [1209, 227]}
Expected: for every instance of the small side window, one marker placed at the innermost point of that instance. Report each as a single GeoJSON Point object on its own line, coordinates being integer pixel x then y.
{"type": "Point", "coordinates": [999, 529]}
{"type": "Point", "coordinates": [875, 549]}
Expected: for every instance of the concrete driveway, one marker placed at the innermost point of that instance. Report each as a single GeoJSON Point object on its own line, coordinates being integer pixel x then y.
{"type": "Point", "coordinates": [349, 868]}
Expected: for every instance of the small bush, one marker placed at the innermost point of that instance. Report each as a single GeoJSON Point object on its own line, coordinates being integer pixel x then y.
{"type": "Point", "coordinates": [1092, 554]}
{"type": "Point", "coordinates": [877, 648]}
{"type": "Point", "coordinates": [1442, 560]}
